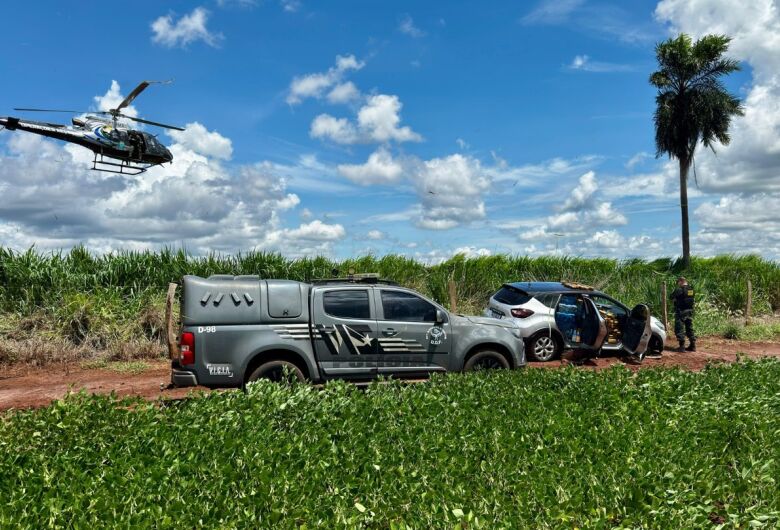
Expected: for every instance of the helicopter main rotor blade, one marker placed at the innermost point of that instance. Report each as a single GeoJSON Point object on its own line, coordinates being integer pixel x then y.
{"type": "Point", "coordinates": [51, 110]}
{"type": "Point", "coordinates": [137, 90]}
{"type": "Point", "coordinates": [152, 123]}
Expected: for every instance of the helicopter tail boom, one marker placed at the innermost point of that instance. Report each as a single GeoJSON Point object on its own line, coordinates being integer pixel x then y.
{"type": "Point", "coordinates": [9, 123]}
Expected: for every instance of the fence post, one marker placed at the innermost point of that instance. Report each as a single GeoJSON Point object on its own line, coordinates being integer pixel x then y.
{"type": "Point", "coordinates": [664, 307]}
{"type": "Point", "coordinates": [453, 296]}
{"type": "Point", "coordinates": [170, 327]}
{"type": "Point", "coordinates": [749, 304]}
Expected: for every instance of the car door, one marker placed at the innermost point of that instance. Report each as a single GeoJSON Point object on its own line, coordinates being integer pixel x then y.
{"type": "Point", "coordinates": [411, 340]}
{"type": "Point", "coordinates": [580, 322]}
{"type": "Point", "coordinates": [345, 331]}
{"type": "Point", "coordinates": [615, 316]}
{"type": "Point", "coordinates": [638, 332]}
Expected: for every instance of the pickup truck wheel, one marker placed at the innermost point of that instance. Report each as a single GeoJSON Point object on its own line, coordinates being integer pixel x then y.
{"type": "Point", "coordinates": [543, 347]}
{"type": "Point", "coordinates": [486, 360]}
{"type": "Point", "coordinates": [275, 371]}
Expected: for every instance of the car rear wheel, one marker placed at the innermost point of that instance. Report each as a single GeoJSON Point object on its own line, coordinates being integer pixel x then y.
{"type": "Point", "coordinates": [486, 360]}
{"type": "Point", "coordinates": [277, 371]}
{"type": "Point", "coordinates": [544, 347]}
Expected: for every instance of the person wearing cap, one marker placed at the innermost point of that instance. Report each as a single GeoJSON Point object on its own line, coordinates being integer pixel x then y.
{"type": "Point", "coordinates": [683, 314]}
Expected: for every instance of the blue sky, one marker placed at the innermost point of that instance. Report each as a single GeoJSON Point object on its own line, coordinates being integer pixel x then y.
{"type": "Point", "coordinates": [352, 127]}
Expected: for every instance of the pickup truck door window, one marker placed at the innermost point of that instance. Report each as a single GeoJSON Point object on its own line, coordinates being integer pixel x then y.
{"type": "Point", "coordinates": [345, 332]}
{"type": "Point", "coordinates": [580, 323]}
{"type": "Point", "coordinates": [410, 339]}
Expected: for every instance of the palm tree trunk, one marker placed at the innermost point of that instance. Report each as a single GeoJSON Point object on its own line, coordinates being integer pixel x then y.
{"type": "Point", "coordinates": [686, 244]}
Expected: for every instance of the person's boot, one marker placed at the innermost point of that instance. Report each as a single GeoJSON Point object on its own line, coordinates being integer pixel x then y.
{"type": "Point", "coordinates": [692, 346]}
{"type": "Point", "coordinates": [681, 348]}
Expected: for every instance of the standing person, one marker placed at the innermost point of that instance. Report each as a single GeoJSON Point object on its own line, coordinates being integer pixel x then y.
{"type": "Point", "coordinates": [683, 314]}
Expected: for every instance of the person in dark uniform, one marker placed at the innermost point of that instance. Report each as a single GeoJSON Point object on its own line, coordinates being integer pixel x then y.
{"type": "Point", "coordinates": [683, 298]}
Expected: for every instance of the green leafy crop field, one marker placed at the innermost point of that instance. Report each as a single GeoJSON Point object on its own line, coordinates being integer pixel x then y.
{"type": "Point", "coordinates": [526, 449]}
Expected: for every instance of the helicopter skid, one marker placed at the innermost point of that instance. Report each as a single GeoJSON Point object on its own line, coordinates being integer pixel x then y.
{"type": "Point", "coordinates": [120, 167]}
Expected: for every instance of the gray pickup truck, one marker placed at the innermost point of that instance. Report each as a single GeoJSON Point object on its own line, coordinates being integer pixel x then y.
{"type": "Point", "coordinates": [237, 329]}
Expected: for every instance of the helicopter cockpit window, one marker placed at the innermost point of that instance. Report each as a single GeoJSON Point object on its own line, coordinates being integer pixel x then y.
{"type": "Point", "coordinates": [153, 143]}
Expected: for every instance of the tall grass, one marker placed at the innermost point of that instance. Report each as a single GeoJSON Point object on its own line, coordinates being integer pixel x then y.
{"type": "Point", "coordinates": [111, 298]}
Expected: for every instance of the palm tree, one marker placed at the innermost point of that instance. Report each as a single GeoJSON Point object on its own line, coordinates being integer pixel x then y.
{"type": "Point", "coordinates": [692, 105]}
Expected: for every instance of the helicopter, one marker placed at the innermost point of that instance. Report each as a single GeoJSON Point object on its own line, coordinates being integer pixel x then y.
{"type": "Point", "coordinates": [117, 147]}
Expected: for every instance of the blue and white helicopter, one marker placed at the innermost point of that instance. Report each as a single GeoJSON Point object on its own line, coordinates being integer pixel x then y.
{"type": "Point", "coordinates": [117, 148]}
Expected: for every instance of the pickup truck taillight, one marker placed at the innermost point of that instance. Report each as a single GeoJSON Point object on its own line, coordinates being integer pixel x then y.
{"type": "Point", "coordinates": [521, 312]}
{"type": "Point", "coordinates": [187, 348]}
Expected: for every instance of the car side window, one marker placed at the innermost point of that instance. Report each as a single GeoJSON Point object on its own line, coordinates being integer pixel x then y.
{"type": "Point", "coordinates": [349, 303]}
{"type": "Point", "coordinates": [603, 302]}
{"type": "Point", "coordinates": [406, 307]}
{"type": "Point", "coordinates": [550, 300]}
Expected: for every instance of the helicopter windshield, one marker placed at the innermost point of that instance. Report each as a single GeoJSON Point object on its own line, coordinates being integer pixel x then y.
{"type": "Point", "coordinates": [153, 144]}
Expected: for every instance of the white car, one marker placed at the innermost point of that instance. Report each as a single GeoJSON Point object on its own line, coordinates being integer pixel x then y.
{"type": "Point", "coordinates": [554, 316]}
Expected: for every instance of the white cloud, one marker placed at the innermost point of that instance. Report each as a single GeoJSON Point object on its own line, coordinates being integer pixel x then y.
{"type": "Point", "coordinates": [343, 93]}
{"type": "Point", "coordinates": [407, 27]}
{"type": "Point", "coordinates": [209, 143]}
{"type": "Point", "coordinates": [551, 11]}
{"type": "Point", "coordinates": [580, 196]}
{"type": "Point", "coordinates": [291, 6]}
{"type": "Point", "coordinates": [607, 239]}
{"type": "Point", "coordinates": [375, 235]}
{"type": "Point", "coordinates": [585, 64]}
{"type": "Point", "coordinates": [378, 121]}
{"type": "Point", "coordinates": [315, 85]}
{"type": "Point", "coordinates": [111, 100]}
{"type": "Point", "coordinates": [462, 143]}
{"type": "Point", "coordinates": [239, 3]}
{"type": "Point", "coordinates": [314, 231]}
{"type": "Point", "coordinates": [450, 191]}
{"type": "Point", "coordinates": [581, 213]}
{"type": "Point", "coordinates": [380, 168]}
{"type": "Point", "coordinates": [739, 224]}
{"type": "Point", "coordinates": [605, 214]}
{"type": "Point", "coordinates": [637, 159]}
{"type": "Point", "coordinates": [533, 173]}
{"type": "Point", "coordinates": [188, 29]}
{"type": "Point", "coordinates": [752, 162]}
{"type": "Point", "coordinates": [472, 252]}
{"type": "Point", "coordinates": [339, 130]}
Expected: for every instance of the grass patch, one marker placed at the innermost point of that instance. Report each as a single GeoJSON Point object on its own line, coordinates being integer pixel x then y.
{"type": "Point", "coordinates": [522, 449]}
{"type": "Point", "coordinates": [759, 331]}
{"type": "Point", "coordinates": [125, 367]}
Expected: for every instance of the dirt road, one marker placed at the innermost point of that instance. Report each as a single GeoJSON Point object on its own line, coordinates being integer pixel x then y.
{"type": "Point", "coordinates": [25, 387]}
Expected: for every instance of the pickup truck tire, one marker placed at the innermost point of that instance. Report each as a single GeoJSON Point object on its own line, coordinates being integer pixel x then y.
{"type": "Point", "coordinates": [274, 370]}
{"type": "Point", "coordinates": [486, 360]}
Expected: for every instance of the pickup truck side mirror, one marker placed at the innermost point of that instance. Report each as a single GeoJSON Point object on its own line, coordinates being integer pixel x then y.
{"type": "Point", "coordinates": [440, 318]}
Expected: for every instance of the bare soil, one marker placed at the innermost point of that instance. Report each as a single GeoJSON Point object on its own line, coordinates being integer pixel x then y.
{"type": "Point", "coordinates": [24, 387]}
